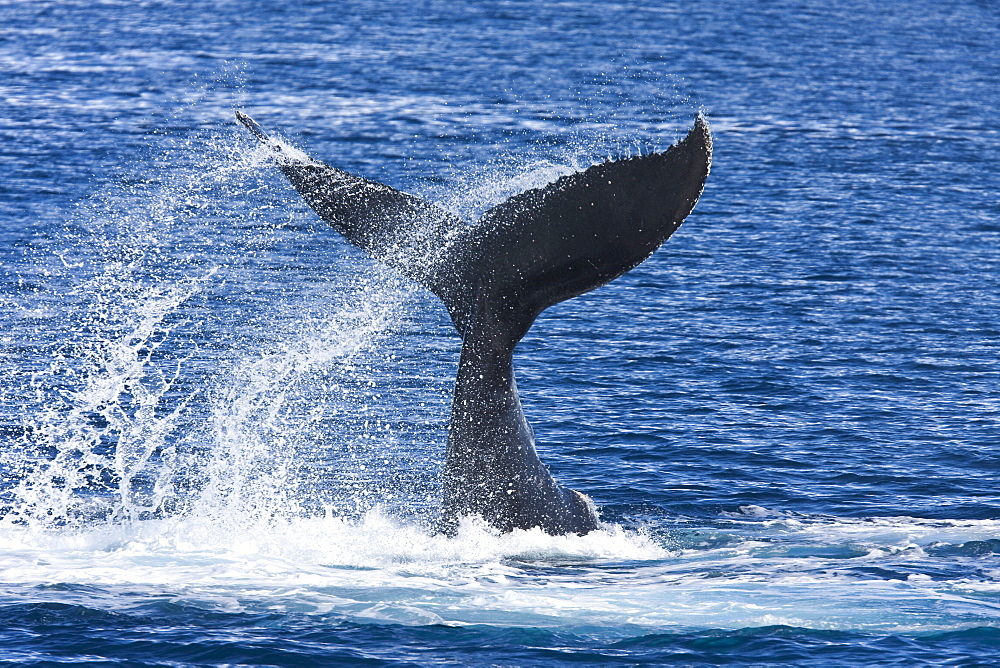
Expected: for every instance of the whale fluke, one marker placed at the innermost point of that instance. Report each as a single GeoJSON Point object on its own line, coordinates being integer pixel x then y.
{"type": "Point", "coordinates": [495, 276]}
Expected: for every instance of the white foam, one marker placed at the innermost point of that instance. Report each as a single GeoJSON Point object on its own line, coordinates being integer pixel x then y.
{"type": "Point", "coordinates": [378, 568]}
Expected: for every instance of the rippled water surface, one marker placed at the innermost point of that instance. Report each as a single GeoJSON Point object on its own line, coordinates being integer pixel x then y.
{"type": "Point", "coordinates": [223, 427]}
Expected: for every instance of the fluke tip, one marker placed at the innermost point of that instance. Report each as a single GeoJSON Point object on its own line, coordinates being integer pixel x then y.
{"type": "Point", "coordinates": [251, 125]}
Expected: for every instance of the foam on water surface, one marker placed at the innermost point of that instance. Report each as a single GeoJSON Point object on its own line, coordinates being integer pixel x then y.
{"type": "Point", "coordinates": [834, 575]}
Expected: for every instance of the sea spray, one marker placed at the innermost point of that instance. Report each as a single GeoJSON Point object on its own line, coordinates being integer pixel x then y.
{"type": "Point", "coordinates": [140, 412]}
{"type": "Point", "coordinates": [267, 420]}
{"type": "Point", "coordinates": [108, 436]}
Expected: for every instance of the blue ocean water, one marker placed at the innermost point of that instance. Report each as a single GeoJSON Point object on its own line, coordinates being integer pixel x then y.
{"type": "Point", "coordinates": [223, 427]}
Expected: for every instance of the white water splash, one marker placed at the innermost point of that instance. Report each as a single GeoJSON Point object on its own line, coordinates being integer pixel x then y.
{"type": "Point", "coordinates": [120, 393]}
{"type": "Point", "coordinates": [134, 415]}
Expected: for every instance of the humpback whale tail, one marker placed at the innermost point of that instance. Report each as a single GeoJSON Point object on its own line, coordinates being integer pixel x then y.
{"type": "Point", "coordinates": [495, 277]}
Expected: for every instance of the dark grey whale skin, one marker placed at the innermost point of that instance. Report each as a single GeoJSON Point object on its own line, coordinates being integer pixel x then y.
{"type": "Point", "coordinates": [536, 249]}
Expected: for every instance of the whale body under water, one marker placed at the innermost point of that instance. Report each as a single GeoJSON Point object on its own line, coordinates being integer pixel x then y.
{"type": "Point", "coordinates": [495, 276]}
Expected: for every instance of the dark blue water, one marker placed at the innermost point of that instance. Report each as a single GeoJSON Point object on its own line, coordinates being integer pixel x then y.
{"type": "Point", "coordinates": [222, 427]}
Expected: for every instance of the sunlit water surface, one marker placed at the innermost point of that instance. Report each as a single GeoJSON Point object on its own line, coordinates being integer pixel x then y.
{"type": "Point", "coordinates": [223, 427]}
